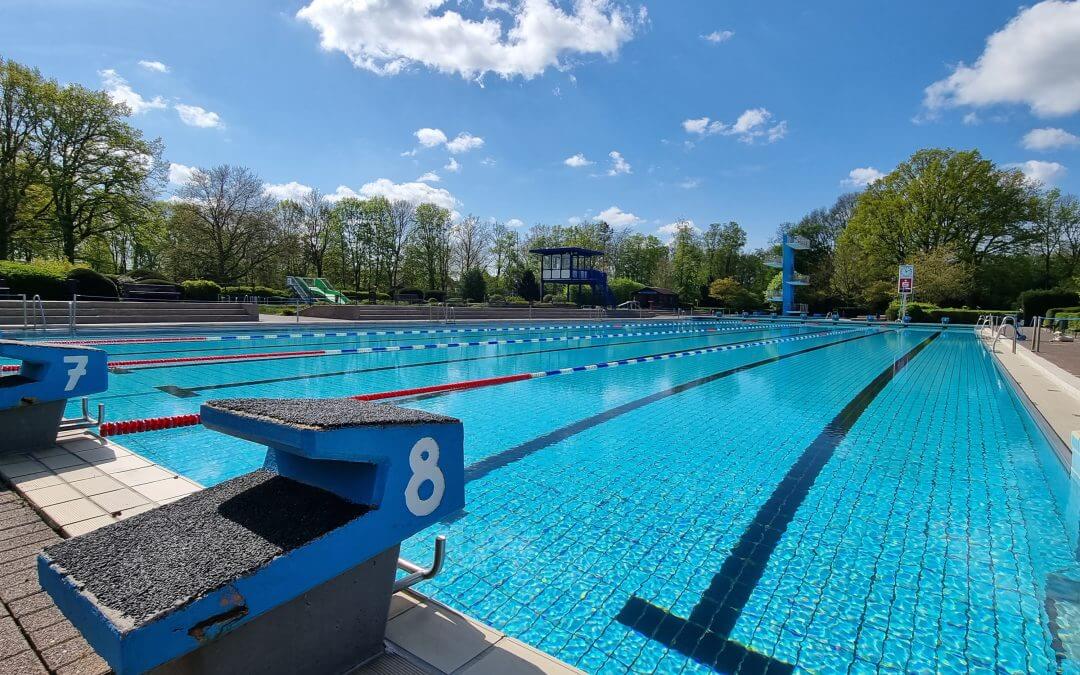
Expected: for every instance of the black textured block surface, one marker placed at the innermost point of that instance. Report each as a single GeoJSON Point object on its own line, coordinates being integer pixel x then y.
{"type": "Point", "coordinates": [327, 413]}
{"type": "Point", "coordinates": [162, 559]}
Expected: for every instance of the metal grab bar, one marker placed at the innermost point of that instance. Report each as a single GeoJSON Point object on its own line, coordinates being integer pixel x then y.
{"type": "Point", "coordinates": [86, 421]}
{"type": "Point", "coordinates": [25, 323]}
{"type": "Point", "coordinates": [418, 573]}
{"type": "Point", "coordinates": [39, 306]}
{"type": "Point", "coordinates": [1005, 321]}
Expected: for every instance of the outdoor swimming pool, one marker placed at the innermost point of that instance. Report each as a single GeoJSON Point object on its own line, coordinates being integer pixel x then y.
{"type": "Point", "coordinates": [834, 498]}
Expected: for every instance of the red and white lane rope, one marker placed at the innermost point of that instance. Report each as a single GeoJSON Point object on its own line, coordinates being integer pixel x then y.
{"type": "Point", "coordinates": [175, 421]}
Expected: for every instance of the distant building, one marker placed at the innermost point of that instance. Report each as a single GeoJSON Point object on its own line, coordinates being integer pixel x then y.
{"type": "Point", "coordinates": [652, 297]}
{"type": "Point", "coordinates": [573, 266]}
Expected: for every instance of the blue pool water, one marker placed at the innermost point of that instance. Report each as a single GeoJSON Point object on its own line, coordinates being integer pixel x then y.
{"type": "Point", "coordinates": [858, 500]}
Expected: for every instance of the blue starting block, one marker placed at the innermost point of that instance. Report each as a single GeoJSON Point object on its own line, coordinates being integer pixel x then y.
{"type": "Point", "coordinates": [32, 400]}
{"type": "Point", "coordinates": [288, 569]}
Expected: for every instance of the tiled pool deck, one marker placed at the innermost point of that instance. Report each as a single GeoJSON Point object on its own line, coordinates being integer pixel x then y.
{"type": "Point", "coordinates": [86, 482]}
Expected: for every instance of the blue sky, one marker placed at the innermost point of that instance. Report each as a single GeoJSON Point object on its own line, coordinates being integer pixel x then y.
{"type": "Point", "coordinates": [330, 93]}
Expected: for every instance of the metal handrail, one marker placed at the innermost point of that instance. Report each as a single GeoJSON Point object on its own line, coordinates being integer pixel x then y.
{"type": "Point", "coordinates": [73, 310]}
{"type": "Point", "coordinates": [40, 306]}
{"type": "Point", "coordinates": [1005, 321]}
{"type": "Point", "coordinates": [25, 324]}
{"type": "Point", "coordinates": [86, 421]}
{"type": "Point", "coordinates": [418, 573]}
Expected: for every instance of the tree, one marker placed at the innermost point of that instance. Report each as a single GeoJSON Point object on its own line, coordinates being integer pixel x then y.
{"type": "Point", "coordinates": [687, 271]}
{"type": "Point", "coordinates": [639, 257]}
{"type": "Point", "coordinates": [936, 198]}
{"type": "Point", "coordinates": [730, 293]}
{"type": "Point", "coordinates": [505, 243]}
{"type": "Point", "coordinates": [722, 246]}
{"type": "Point", "coordinates": [100, 173]}
{"type": "Point", "coordinates": [470, 244]}
{"type": "Point", "coordinates": [226, 215]}
{"type": "Point", "coordinates": [431, 240]}
{"type": "Point", "coordinates": [527, 286]}
{"type": "Point", "coordinates": [942, 278]}
{"type": "Point", "coordinates": [473, 285]}
{"type": "Point", "coordinates": [24, 101]}
{"type": "Point", "coordinates": [316, 228]}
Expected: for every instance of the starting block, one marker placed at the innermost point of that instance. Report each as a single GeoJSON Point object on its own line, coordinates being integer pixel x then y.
{"type": "Point", "coordinates": [32, 400]}
{"type": "Point", "coordinates": [288, 569]}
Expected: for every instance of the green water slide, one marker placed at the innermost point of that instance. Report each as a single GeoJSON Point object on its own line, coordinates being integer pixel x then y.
{"type": "Point", "coordinates": [323, 287]}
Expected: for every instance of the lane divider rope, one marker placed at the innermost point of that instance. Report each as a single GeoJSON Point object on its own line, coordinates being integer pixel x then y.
{"type": "Point", "coordinates": [377, 333]}
{"type": "Point", "coordinates": [176, 421]}
{"type": "Point", "coordinates": [307, 353]}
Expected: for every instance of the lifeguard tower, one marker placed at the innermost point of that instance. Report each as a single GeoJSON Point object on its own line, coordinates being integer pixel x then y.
{"type": "Point", "coordinates": [789, 277]}
{"type": "Point", "coordinates": [573, 266]}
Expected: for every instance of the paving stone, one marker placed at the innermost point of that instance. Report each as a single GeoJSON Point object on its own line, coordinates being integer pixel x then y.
{"type": "Point", "coordinates": [30, 604]}
{"type": "Point", "coordinates": [43, 618]}
{"type": "Point", "coordinates": [84, 526]}
{"type": "Point", "coordinates": [39, 538]}
{"type": "Point", "coordinates": [14, 554]}
{"type": "Point", "coordinates": [23, 563]}
{"type": "Point", "coordinates": [23, 663]}
{"type": "Point", "coordinates": [23, 468]}
{"type": "Point", "coordinates": [170, 488]}
{"type": "Point", "coordinates": [117, 501]}
{"type": "Point", "coordinates": [11, 638]}
{"type": "Point", "coordinates": [65, 653]}
{"type": "Point", "coordinates": [54, 494]}
{"type": "Point", "coordinates": [34, 481]}
{"type": "Point", "coordinates": [53, 635]}
{"type": "Point", "coordinates": [72, 512]}
{"type": "Point", "coordinates": [97, 485]}
{"type": "Point", "coordinates": [18, 517]}
{"type": "Point", "coordinates": [146, 474]}
{"type": "Point", "coordinates": [13, 533]}
{"type": "Point", "coordinates": [91, 664]}
{"type": "Point", "coordinates": [19, 585]}
{"type": "Point", "coordinates": [61, 461]}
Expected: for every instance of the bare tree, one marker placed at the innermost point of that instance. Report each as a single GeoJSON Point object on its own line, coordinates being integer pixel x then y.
{"type": "Point", "coordinates": [471, 244]}
{"type": "Point", "coordinates": [315, 228]}
{"type": "Point", "coordinates": [393, 238]}
{"type": "Point", "coordinates": [227, 214]}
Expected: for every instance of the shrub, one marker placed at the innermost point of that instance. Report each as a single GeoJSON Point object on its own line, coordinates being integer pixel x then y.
{"type": "Point", "coordinates": [94, 284]}
{"type": "Point", "coordinates": [454, 301]}
{"type": "Point", "coordinates": [47, 278]}
{"type": "Point", "coordinates": [527, 286]}
{"type": "Point", "coordinates": [623, 289]}
{"type": "Point", "coordinates": [516, 300]}
{"type": "Point", "coordinates": [150, 281]}
{"type": "Point", "coordinates": [918, 311]}
{"type": "Point", "coordinates": [1036, 303]}
{"type": "Point", "coordinates": [966, 316]}
{"type": "Point", "coordinates": [139, 274]}
{"type": "Point", "coordinates": [257, 291]}
{"type": "Point", "coordinates": [547, 299]}
{"type": "Point", "coordinates": [473, 285]}
{"type": "Point", "coordinates": [200, 289]}
{"type": "Point", "coordinates": [438, 296]}
{"type": "Point", "coordinates": [382, 297]}
{"type": "Point", "coordinates": [1054, 316]}
{"type": "Point", "coordinates": [496, 300]}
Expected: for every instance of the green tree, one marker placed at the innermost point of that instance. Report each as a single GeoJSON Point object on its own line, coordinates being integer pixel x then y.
{"type": "Point", "coordinates": [942, 278]}
{"type": "Point", "coordinates": [687, 269]}
{"type": "Point", "coordinates": [24, 101]}
{"type": "Point", "coordinates": [639, 257]}
{"type": "Point", "coordinates": [431, 241]}
{"type": "Point", "coordinates": [473, 285]}
{"type": "Point", "coordinates": [100, 172]}
{"type": "Point", "coordinates": [723, 245]}
{"type": "Point", "coordinates": [731, 294]}
{"type": "Point", "coordinates": [527, 286]}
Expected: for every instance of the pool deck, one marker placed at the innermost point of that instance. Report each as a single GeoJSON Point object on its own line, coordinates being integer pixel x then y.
{"type": "Point", "coordinates": [86, 482]}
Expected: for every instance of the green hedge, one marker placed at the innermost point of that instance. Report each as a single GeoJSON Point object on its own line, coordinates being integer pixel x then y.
{"type": "Point", "coordinates": [924, 312]}
{"type": "Point", "coordinates": [47, 278]}
{"type": "Point", "coordinates": [200, 289]}
{"type": "Point", "coordinates": [1055, 316]}
{"type": "Point", "coordinates": [1037, 303]}
{"type": "Point", "coordinates": [257, 291]}
{"type": "Point", "coordinates": [91, 283]}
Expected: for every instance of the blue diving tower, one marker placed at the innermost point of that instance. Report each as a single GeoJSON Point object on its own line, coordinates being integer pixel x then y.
{"type": "Point", "coordinates": [789, 277]}
{"type": "Point", "coordinates": [573, 266]}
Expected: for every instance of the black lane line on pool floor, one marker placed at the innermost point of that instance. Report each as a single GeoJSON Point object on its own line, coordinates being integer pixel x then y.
{"type": "Point", "coordinates": [189, 392]}
{"type": "Point", "coordinates": [704, 636]}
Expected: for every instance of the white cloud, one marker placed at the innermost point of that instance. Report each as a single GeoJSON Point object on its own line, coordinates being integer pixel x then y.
{"type": "Point", "coordinates": [1031, 61]}
{"type": "Point", "coordinates": [411, 192]}
{"type": "Point", "coordinates": [156, 66]}
{"type": "Point", "coordinates": [389, 37]}
{"type": "Point", "coordinates": [618, 164]}
{"type": "Point", "coordinates": [1049, 139]}
{"type": "Point", "coordinates": [291, 190]}
{"type": "Point", "coordinates": [429, 177]}
{"type": "Point", "coordinates": [179, 174]}
{"type": "Point", "coordinates": [194, 116]}
{"type": "Point", "coordinates": [1045, 173]}
{"type": "Point", "coordinates": [577, 161]}
{"type": "Point", "coordinates": [863, 176]}
{"type": "Point", "coordinates": [342, 192]}
{"type": "Point", "coordinates": [616, 217]}
{"type": "Point", "coordinates": [429, 138]}
{"type": "Point", "coordinates": [121, 92]}
{"type": "Point", "coordinates": [464, 142]}
{"type": "Point", "coordinates": [972, 119]}
{"type": "Point", "coordinates": [751, 125]}
{"type": "Point", "coordinates": [515, 222]}
{"type": "Point", "coordinates": [690, 183]}
{"type": "Point", "coordinates": [668, 231]}
{"type": "Point", "coordinates": [574, 220]}
{"type": "Point", "coordinates": [488, 161]}
{"type": "Point", "coordinates": [452, 166]}
{"type": "Point", "coordinates": [718, 36]}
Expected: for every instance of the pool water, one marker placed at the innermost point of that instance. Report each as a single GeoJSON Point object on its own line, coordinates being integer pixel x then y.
{"type": "Point", "coordinates": [813, 498]}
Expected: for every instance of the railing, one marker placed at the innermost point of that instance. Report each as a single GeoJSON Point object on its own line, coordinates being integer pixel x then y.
{"type": "Point", "coordinates": [1005, 321]}
{"type": "Point", "coordinates": [797, 278]}
{"type": "Point", "coordinates": [37, 306]}
{"type": "Point", "coordinates": [86, 421]}
{"type": "Point", "coordinates": [418, 573]}
{"type": "Point", "coordinates": [25, 324]}
{"type": "Point", "coordinates": [774, 262]}
{"type": "Point", "coordinates": [73, 311]}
